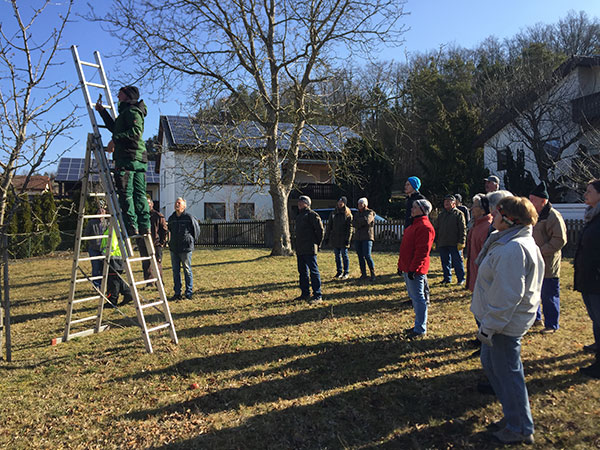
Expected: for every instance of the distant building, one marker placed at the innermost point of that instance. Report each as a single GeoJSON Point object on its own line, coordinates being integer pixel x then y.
{"type": "Point", "coordinates": [190, 156]}
{"type": "Point", "coordinates": [568, 115]}
{"type": "Point", "coordinates": [37, 185]}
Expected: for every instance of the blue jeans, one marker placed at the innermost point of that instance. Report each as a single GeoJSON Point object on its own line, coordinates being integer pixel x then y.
{"type": "Point", "coordinates": [97, 266]}
{"type": "Point", "coordinates": [502, 365]}
{"type": "Point", "coordinates": [418, 291]}
{"type": "Point", "coordinates": [177, 261]}
{"type": "Point", "coordinates": [592, 303]}
{"type": "Point", "coordinates": [550, 303]}
{"type": "Point", "coordinates": [451, 257]}
{"type": "Point", "coordinates": [306, 264]}
{"type": "Point", "coordinates": [341, 254]}
{"type": "Point", "coordinates": [363, 250]}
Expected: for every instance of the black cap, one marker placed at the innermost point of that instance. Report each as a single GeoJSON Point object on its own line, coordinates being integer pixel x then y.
{"type": "Point", "coordinates": [131, 92]}
{"type": "Point", "coordinates": [450, 197]}
{"type": "Point", "coordinates": [343, 199]}
{"type": "Point", "coordinates": [541, 191]}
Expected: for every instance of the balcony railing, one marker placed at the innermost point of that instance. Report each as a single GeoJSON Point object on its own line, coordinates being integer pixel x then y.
{"type": "Point", "coordinates": [586, 109]}
{"type": "Point", "coordinates": [320, 191]}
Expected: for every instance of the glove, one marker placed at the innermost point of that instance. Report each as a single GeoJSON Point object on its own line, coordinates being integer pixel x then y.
{"type": "Point", "coordinates": [411, 275]}
{"type": "Point", "coordinates": [460, 247]}
{"type": "Point", "coordinates": [399, 272]}
{"type": "Point", "coordinates": [485, 336]}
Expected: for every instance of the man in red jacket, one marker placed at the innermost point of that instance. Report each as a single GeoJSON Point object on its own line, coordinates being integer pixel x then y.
{"type": "Point", "coordinates": [413, 262]}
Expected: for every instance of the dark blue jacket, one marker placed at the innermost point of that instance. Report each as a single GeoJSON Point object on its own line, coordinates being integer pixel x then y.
{"type": "Point", "coordinates": [184, 230]}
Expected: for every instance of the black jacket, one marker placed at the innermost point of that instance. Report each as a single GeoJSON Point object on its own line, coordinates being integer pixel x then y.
{"type": "Point", "coordinates": [309, 232]}
{"type": "Point", "coordinates": [409, 202]}
{"type": "Point", "coordinates": [184, 231]}
{"type": "Point", "coordinates": [587, 259]}
{"type": "Point", "coordinates": [339, 228]}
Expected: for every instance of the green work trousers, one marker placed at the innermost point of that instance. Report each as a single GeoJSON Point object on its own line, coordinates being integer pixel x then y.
{"type": "Point", "coordinates": [130, 180]}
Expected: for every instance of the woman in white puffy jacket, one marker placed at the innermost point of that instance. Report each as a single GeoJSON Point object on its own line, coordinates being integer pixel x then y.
{"type": "Point", "coordinates": [505, 301]}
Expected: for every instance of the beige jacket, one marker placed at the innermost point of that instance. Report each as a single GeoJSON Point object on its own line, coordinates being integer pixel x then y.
{"type": "Point", "coordinates": [550, 234]}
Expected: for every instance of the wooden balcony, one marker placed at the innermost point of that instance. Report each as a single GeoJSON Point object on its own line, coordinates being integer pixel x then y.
{"type": "Point", "coordinates": [316, 191]}
{"type": "Point", "coordinates": [586, 109]}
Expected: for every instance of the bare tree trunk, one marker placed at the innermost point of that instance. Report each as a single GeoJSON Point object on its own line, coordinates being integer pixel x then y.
{"type": "Point", "coordinates": [282, 245]}
{"type": "Point", "coordinates": [6, 302]}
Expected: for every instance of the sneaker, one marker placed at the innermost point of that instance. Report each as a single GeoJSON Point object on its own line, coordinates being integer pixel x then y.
{"type": "Point", "coordinates": [548, 331]}
{"type": "Point", "coordinates": [131, 231]}
{"type": "Point", "coordinates": [445, 283]}
{"type": "Point", "coordinates": [175, 297]}
{"type": "Point", "coordinates": [345, 276]}
{"type": "Point", "coordinates": [302, 298]}
{"type": "Point", "coordinates": [189, 296]}
{"type": "Point", "coordinates": [126, 300]}
{"type": "Point", "coordinates": [412, 334]}
{"type": "Point", "coordinates": [315, 299]}
{"type": "Point", "coordinates": [507, 436]}
{"type": "Point", "coordinates": [461, 283]}
{"type": "Point", "coordinates": [590, 348]}
{"type": "Point", "coordinates": [591, 371]}
{"type": "Point", "coordinates": [537, 324]}
{"type": "Point", "coordinates": [338, 275]}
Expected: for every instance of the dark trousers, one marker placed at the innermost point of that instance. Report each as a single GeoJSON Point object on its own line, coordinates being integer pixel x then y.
{"type": "Point", "coordinates": [592, 303]}
{"type": "Point", "coordinates": [308, 264]}
{"type": "Point", "coordinates": [550, 303]}
{"type": "Point", "coordinates": [147, 265]}
{"type": "Point", "coordinates": [451, 257]}
{"type": "Point", "coordinates": [115, 285]}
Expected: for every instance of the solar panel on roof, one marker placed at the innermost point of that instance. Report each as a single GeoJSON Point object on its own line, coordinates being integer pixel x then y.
{"type": "Point", "coordinates": [71, 169]}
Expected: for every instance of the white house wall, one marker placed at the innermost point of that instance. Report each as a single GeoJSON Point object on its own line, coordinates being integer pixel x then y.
{"type": "Point", "coordinates": [509, 136]}
{"type": "Point", "coordinates": [176, 175]}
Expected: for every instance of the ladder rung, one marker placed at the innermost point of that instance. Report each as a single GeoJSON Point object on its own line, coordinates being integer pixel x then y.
{"type": "Point", "coordinates": [92, 258]}
{"type": "Point", "coordinates": [91, 238]}
{"type": "Point", "coordinates": [97, 194]}
{"type": "Point", "coordinates": [149, 280]}
{"type": "Point", "coordinates": [150, 305]}
{"type": "Point", "coordinates": [81, 280]}
{"type": "Point", "coordinates": [96, 216]}
{"type": "Point", "coordinates": [140, 258]}
{"type": "Point", "coordinates": [87, 299]}
{"type": "Point", "coordinates": [85, 319]}
{"type": "Point", "coordinates": [84, 63]}
{"type": "Point", "coordinates": [89, 83]}
{"type": "Point", "coordinates": [159, 327]}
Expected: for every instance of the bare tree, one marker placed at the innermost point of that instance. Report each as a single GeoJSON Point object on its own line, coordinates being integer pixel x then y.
{"type": "Point", "coordinates": [274, 48]}
{"type": "Point", "coordinates": [28, 52]}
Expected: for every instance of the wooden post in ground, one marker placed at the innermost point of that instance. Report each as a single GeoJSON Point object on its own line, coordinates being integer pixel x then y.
{"type": "Point", "coordinates": [6, 302]}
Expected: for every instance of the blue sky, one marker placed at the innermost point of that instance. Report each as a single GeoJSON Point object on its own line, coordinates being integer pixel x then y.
{"type": "Point", "coordinates": [432, 23]}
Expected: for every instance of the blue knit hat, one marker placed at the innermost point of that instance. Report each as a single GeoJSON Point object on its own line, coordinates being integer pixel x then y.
{"type": "Point", "coordinates": [414, 182]}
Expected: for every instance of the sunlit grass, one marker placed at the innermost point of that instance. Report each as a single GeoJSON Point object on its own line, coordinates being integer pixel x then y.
{"type": "Point", "coordinates": [254, 369]}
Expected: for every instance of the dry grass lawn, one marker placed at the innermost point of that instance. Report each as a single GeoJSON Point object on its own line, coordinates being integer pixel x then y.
{"type": "Point", "coordinates": [274, 373]}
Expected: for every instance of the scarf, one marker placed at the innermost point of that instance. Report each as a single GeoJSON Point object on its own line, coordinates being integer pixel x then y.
{"type": "Point", "coordinates": [591, 212]}
{"type": "Point", "coordinates": [494, 237]}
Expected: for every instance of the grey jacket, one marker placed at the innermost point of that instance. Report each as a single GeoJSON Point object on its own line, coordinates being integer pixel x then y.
{"type": "Point", "coordinates": [509, 282]}
{"type": "Point", "coordinates": [309, 232]}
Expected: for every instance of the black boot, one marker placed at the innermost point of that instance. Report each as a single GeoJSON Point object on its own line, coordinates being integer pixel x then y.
{"type": "Point", "coordinates": [593, 370]}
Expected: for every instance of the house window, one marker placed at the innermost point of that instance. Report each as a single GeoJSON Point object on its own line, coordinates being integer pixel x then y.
{"type": "Point", "coordinates": [243, 211]}
{"type": "Point", "coordinates": [502, 158]}
{"type": "Point", "coordinates": [214, 211]}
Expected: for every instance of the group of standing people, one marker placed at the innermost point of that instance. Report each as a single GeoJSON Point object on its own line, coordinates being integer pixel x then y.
{"type": "Point", "coordinates": [342, 225]}
{"type": "Point", "coordinates": [513, 249]}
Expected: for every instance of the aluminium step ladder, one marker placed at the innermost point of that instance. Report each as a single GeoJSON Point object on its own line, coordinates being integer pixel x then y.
{"type": "Point", "coordinates": [99, 168]}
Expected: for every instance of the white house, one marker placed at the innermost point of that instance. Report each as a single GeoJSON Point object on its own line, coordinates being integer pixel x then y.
{"type": "Point", "coordinates": [557, 125]}
{"type": "Point", "coordinates": [188, 161]}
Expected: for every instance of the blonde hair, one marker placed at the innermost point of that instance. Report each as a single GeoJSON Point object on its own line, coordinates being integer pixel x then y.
{"type": "Point", "coordinates": [518, 209]}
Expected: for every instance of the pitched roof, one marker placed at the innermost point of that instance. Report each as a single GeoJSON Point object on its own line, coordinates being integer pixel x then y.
{"type": "Point", "coordinates": [506, 117]}
{"type": "Point", "coordinates": [37, 183]}
{"type": "Point", "coordinates": [182, 131]}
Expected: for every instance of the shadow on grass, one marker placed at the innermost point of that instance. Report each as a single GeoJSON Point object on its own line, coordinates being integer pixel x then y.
{"type": "Point", "coordinates": [351, 404]}
{"type": "Point", "coordinates": [224, 263]}
{"type": "Point", "coordinates": [347, 401]}
{"type": "Point", "coordinates": [310, 314]}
